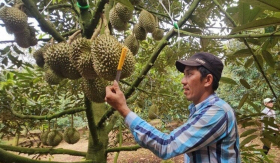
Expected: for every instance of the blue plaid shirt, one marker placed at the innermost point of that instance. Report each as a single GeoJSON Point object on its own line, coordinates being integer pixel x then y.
{"type": "Point", "coordinates": [209, 136]}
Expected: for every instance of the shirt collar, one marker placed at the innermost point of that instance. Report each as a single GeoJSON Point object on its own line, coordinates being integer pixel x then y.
{"type": "Point", "coordinates": [193, 107]}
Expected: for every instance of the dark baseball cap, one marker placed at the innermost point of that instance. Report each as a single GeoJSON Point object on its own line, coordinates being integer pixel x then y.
{"type": "Point", "coordinates": [207, 60]}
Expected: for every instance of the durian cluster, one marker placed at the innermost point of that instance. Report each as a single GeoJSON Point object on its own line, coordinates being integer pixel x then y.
{"type": "Point", "coordinates": [119, 16]}
{"type": "Point", "coordinates": [16, 23]}
{"type": "Point", "coordinates": [54, 137]}
{"type": "Point", "coordinates": [94, 61]}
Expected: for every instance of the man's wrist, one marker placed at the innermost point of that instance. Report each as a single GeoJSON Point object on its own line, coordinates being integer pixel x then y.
{"type": "Point", "coordinates": [124, 111]}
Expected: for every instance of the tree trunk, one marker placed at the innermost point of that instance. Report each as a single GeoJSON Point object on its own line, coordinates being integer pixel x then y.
{"type": "Point", "coordinates": [16, 139]}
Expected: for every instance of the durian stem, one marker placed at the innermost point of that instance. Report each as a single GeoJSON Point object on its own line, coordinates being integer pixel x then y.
{"type": "Point", "coordinates": [97, 30]}
{"type": "Point", "coordinates": [105, 22]}
{"type": "Point", "coordinates": [73, 36]}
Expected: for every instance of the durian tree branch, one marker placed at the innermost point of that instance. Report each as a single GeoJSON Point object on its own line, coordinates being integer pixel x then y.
{"type": "Point", "coordinates": [89, 26]}
{"type": "Point", "coordinates": [91, 122]}
{"type": "Point", "coordinates": [47, 117]}
{"type": "Point", "coordinates": [112, 122]}
{"type": "Point", "coordinates": [248, 46]}
{"type": "Point", "coordinates": [186, 33]}
{"type": "Point", "coordinates": [153, 58]}
{"type": "Point", "coordinates": [42, 150]}
{"type": "Point", "coordinates": [119, 149]}
{"type": "Point", "coordinates": [10, 157]}
{"type": "Point", "coordinates": [29, 4]}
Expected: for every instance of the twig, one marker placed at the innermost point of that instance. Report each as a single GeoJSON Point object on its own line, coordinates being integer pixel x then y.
{"type": "Point", "coordinates": [97, 30]}
{"type": "Point", "coordinates": [72, 37]}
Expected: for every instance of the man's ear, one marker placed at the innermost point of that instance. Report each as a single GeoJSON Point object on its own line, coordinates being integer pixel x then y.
{"type": "Point", "coordinates": [208, 80]}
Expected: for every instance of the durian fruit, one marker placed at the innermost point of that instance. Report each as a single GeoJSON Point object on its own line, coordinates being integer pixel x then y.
{"type": "Point", "coordinates": [54, 138]}
{"type": "Point", "coordinates": [51, 78]}
{"type": "Point", "coordinates": [14, 19]}
{"type": "Point", "coordinates": [44, 137]}
{"type": "Point", "coordinates": [116, 21]}
{"type": "Point", "coordinates": [132, 43]}
{"type": "Point", "coordinates": [158, 34]}
{"type": "Point", "coordinates": [81, 58]}
{"type": "Point", "coordinates": [139, 32]}
{"type": "Point", "coordinates": [20, 5]}
{"type": "Point", "coordinates": [153, 112]}
{"type": "Point", "coordinates": [123, 12]}
{"type": "Point", "coordinates": [57, 57]}
{"type": "Point", "coordinates": [95, 89]}
{"type": "Point", "coordinates": [38, 55]}
{"type": "Point", "coordinates": [147, 21]}
{"type": "Point", "coordinates": [22, 38]}
{"type": "Point", "coordinates": [32, 38]}
{"type": "Point", "coordinates": [106, 52]}
{"type": "Point", "coordinates": [71, 135]}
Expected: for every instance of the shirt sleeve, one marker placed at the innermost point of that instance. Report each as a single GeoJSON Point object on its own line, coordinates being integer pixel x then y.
{"type": "Point", "coordinates": [200, 130]}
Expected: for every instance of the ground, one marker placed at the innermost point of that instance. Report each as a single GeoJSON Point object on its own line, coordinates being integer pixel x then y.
{"type": "Point", "coordinates": [139, 156]}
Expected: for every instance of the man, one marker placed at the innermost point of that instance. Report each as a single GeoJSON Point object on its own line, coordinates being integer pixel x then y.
{"type": "Point", "coordinates": [271, 116]}
{"type": "Point", "coordinates": [209, 136]}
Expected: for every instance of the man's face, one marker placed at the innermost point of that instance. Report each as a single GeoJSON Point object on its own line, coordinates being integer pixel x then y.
{"type": "Point", "coordinates": [269, 104]}
{"type": "Point", "coordinates": [194, 87]}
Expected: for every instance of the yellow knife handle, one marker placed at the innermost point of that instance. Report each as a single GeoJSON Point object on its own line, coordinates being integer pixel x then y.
{"type": "Point", "coordinates": [121, 61]}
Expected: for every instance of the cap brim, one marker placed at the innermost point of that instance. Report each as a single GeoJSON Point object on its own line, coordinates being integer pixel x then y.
{"type": "Point", "coordinates": [181, 64]}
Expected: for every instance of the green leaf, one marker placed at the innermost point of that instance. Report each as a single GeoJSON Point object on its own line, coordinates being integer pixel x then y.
{"type": "Point", "coordinates": [273, 5]}
{"type": "Point", "coordinates": [228, 80]}
{"type": "Point", "coordinates": [248, 132]}
{"type": "Point", "coordinates": [249, 62]}
{"type": "Point", "coordinates": [265, 141]}
{"type": "Point", "coordinates": [242, 53]}
{"type": "Point", "coordinates": [268, 58]}
{"type": "Point", "coordinates": [248, 139]}
{"type": "Point", "coordinates": [126, 3]}
{"type": "Point", "coordinates": [256, 24]}
{"type": "Point", "coordinates": [245, 83]}
{"type": "Point", "coordinates": [242, 101]}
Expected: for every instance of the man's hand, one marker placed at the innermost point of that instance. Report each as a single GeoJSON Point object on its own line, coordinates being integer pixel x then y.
{"type": "Point", "coordinates": [115, 97]}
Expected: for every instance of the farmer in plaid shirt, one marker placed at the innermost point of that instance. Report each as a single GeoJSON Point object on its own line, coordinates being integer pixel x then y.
{"type": "Point", "coordinates": [209, 136]}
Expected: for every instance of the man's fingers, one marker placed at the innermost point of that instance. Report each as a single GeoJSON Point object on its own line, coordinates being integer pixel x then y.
{"type": "Point", "coordinates": [115, 84]}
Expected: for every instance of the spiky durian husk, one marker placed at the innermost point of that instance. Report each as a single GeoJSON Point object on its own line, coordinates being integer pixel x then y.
{"type": "Point", "coordinates": [132, 43]}
{"type": "Point", "coordinates": [14, 19]}
{"type": "Point", "coordinates": [71, 135]}
{"type": "Point", "coordinates": [51, 78]}
{"type": "Point", "coordinates": [116, 21]}
{"type": "Point", "coordinates": [123, 12]}
{"type": "Point", "coordinates": [94, 89]}
{"type": "Point", "coordinates": [38, 55]}
{"type": "Point", "coordinates": [44, 138]}
{"type": "Point", "coordinates": [106, 52]}
{"type": "Point", "coordinates": [153, 111]}
{"type": "Point", "coordinates": [57, 57]}
{"type": "Point", "coordinates": [158, 34]}
{"type": "Point", "coordinates": [32, 38]}
{"type": "Point", "coordinates": [147, 21]}
{"type": "Point", "coordinates": [54, 138]}
{"type": "Point", "coordinates": [81, 58]}
{"type": "Point", "coordinates": [139, 32]}
{"type": "Point", "coordinates": [22, 38]}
